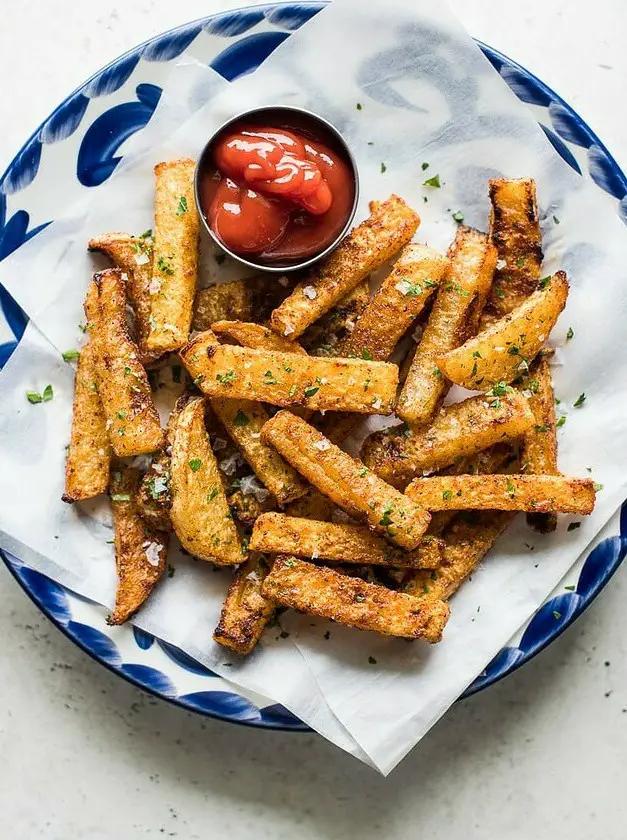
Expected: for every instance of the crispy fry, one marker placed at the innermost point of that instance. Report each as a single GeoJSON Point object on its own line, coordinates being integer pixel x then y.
{"type": "Point", "coordinates": [245, 611]}
{"type": "Point", "coordinates": [256, 336]}
{"type": "Point", "coordinates": [133, 256]}
{"type": "Point", "coordinates": [280, 534]}
{"type": "Point", "coordinates": [313, 505]}
{"type": "Point", "coordinates": [290, 379]}
{"type": "Point", "coordinates": [346, 481]}
{"type": "Point", "coordinates": [539, 449]}
{"type": "Point", "coordinates": [243, 421]}
{"type": "Point", "coordinates": [515, 231]}
{"type": "Point", "coordinates": [539, 493]}
{"type": "Point", "coordinates": [504, 350]}
{"type": "Point", "coordinates": [466, 542]}
{"type": "Point", "coordinates": [200, 512]}
{"type": "Point", "coordinates": [389, 227]}
{"type": "Point", "coordinates": [175, 259]}
{"type": "Point", "coordinates": [132, 419]}
{"type": "Point", "coordinates": [351, 601]}
{"type": "Point", "coordinates": [326, 336]}
{"type": "Point", "coordinates": [472, 260]}
{"type": "Point", "coordinates": [462, 429]}
{"type": "Point", "coordinates": [250, 299]}
{"type": "Point", "coordinates": [397, 302]}
{"type": "Point", "coordinates": [140, 552]}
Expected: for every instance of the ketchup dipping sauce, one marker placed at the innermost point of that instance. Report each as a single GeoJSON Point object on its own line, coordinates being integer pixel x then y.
{"type": "Point", "coordinates": [277, 187]}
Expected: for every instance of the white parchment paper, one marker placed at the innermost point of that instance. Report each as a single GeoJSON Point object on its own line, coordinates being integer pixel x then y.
{"type": "Point", "coordinates": [427, 95]}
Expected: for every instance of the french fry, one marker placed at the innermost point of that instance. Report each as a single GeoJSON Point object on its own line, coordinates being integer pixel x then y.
{"type": "Point", "coordinates": [245, 612]}
{"type": "Point", "coordinates": [459, 430]}
{"type": "Point", "coordinates": [140, 552]}
{"type": "Point", "coordinates": [505, 350]}
{"type": "Point", "coordinates": [175, 258]}
{"type": "Point", "coordinates": [277, 533]}
{"type": "Point", "coordinates": [200, 513]}
{"type": "Point", "coordinates": [353, 602]}
{"type": "Point", "coordinates": [346, 481]}
{"type": "Point", "coordinates": [133, 256]}
{"type": "Point", "coordinates": [290, 379]}
{"type": "Point", "coordinates": [326, 336]}
{"type": "Point", "coordinates": [132, 419]}
{"type": "Point", "coordinates": [466, 542]}
{"type": "Point", "coordinates": [515, 231]}
{"type": "Point", "coordinates": [243, 421]}
{"type": "Point", "coordinates": [397, 302]}
{"type": "Point", "coordinates": [539, 450]}
{"type": "Point", "coordinates": [256, 336]}
{"type": "Point", "coordinates": [389, 228]}
{"type": "Point", "coordinates": [313, 505]}
{"type": "Point", "coordinates": [250, 299]}
{"type": "Point", "coordinates": [538, 493]}
{"type": "Point", "coordinates": [472, 260]}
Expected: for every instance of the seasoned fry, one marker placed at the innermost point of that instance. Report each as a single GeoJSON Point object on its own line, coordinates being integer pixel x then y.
{"type": "Point", "coordinates": [466, 542]}
{"type": "Point", "coordinates": [140, 552]}
{"type": "Point", "coordinates": [200, 512]}
{"type": "Point", "coordinates": [245, 611]}
{"type": "Point", "coordinates": [133, 256]}
{"type": "Point", "coordinates": [256, 336]}
{"type": "Point", "coordinates": [504, 350]}
{"type": "Point", "coordinates": [397, 454]}
{"type": "Point", "coordinates": [280, 534]}
{"type": "Point", "coordinates": [472, 260]}
{"type": "Point", "coordinates": [397, 303]}
{"type": "Point", "coordinates": [346, 481]}
{"type": "Point", "coordinates": [539, 450]}
{"type": "Point", "coordinates": [389, 228]}
{"type": "Point", "coordinates": [515, 231]}
{"type": "Point", "coordinates": [243, 421]}
{"type": "Point", "coordinates": [313, 505]}
{"type": "Point", "coordinates": [351, 601]}
{"type": "Point", "coordinates": [289, 378]}
{"type": "Point", "coordinates": [132, 419]}
{"type": "Point", "coordinates": [175, 259]}
{"type": "Point", "coordinates": [539, 493]}
{"type": "Point", "coordinates": [250, 299]}
{"type": "Point", "coordinates": [326, 336]}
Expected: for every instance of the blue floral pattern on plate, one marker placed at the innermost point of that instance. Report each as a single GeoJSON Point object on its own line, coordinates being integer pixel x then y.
{"type": "Point", "coordinates": [240, 42]}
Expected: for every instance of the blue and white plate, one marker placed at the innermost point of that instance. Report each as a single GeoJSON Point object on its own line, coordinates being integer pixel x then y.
{"type": "Point", "coordinates": [77, 148]}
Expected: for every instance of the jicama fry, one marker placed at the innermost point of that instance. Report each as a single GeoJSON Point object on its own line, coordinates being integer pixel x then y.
{"type": "Point", "coordinates": [277, 533]}
{"type": "Point", "coordinates": [351, 601]}
{"type": "Point", "coordinates": [539, 450]}
{"type": "Point", "coordinates": [132, 419]}
{"type": "Point", "coordinates": [290, 379]}
{"type": "Point", "coordinates": [466, 542]}
{"type": "Point", "coordinates": [389, 228]}
{"type": "Point", "coordinates": [472, 260]}
{"type": "Point", "coordinates": [515, 231]}
{"type": "Point", "coordinates": [245, 612]}
{"type": "Point", "coordinates": [462, 429]}
{"type": "Point", "coordinates": [140, 552]}
{"type": "Point", "coordinates": [256, 336]}
{"type": "Point", "coordinates": [200, 513]}
{"type": "Point", "coordinates": [250, 299]}
{"type": "Point", "coordinates": [175, 258]}
{"type": "Point", "coordinates": [133, 256]}
{"type": "Point", "coordinates": [397, 303]}
{"type": "Point", "coordinates": [313, 505]}
{"type": "Point", "coordinates": [326, 336]}
{"type": "Point", "coordinates": [346, 481]}
{"type": "Point", "coordinates": [505, 350]}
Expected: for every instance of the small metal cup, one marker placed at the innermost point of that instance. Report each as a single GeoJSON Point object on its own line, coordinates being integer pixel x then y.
{"type": "Point", "coordinates": [274, 113]}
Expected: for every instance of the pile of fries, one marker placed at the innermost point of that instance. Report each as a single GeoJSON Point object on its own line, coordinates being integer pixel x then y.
{"type": "Point", "coordinates": [378, 543]}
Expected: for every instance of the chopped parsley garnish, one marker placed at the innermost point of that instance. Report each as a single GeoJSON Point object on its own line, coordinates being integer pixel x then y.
{"type": "Point", "coordinates": [561, 421]}
{"type": "Point", "coordinates": [182, 206]}
{"type": "Point", "coordinates": [579, 401]}
{"type": "Point", "coordinates": [429, 284]}
{"type": "Point", "coordinates": [510, 488]}
{"type": "Point", "coordinates": [311, 390]}
{"type": "Point", "coordinates": [500, 294]}
{"type": "Point", "coordinates": [34, 397]}
{"type": "Point", "coordinates": [364, 472]}
{"type": "Point", "coordinates": [458, 217]}
{"type": "Point", "coordinates": [598, 487]}
{"type": "Point", "coordinates": [570, 588]}
{"type": "Point", "coordinates": [432, 182]}
{"type": "Point", "coordinates": [195, 464]}
{"type": "Point", "coordinates": [293, 390]}
{"type": "Point", "coordinates": [359, 106]}
{"type": "Point", "coordinates": [570, 334]}
{"type": "Point", "coordinates": [455, 287]}
{"type": "Point", "coordinates": [70, 355]}
{"type": "Point", "coordinates": [534, 386]}
{"type": "Point", "coordinates": [556, 615]}
{"type": "Point", "coordinates": [520, 262]}
{"type": "Point", "coordinates": [198, 379]}
{"type": "Point", "coordinates": [424, 166]}
{"type": "Point", "coordinates": [366, 355]}
{"type": "Point", "coordinates": [226, 378]}
{"type": "Point", "coordinates": [544, 282]}
{"type": "Point", "coordinates": [383, 168]}
{"type": "Point", "coordinates": [120, 497]}
{"type": "Point", "coordinates": [572, 526]}
{"type": "Point", "coordinates": [499, 389]}
{"type": "Point", "coordinates": [514, 350]}
{"type": "Point", "coordinates": [448, 494]}
{"type": "Point", "coordinates": [212, 494]}
{"type": "Point", "coordinates": [437, 372]}
{"type": "Point", "coordinates": [121, 415]}
{"type": "Point", "coordinates": [241, 419]}
{"type": "Point", "coordinates": [413, 290]}
{"type": "Point", "coordinates": [164, 266]}
{"type": "Point", "coordinates": [48, 393]}
{"type": "Point", "coordinates": [542, 429]}
{"type": "Point", "coordinates": [556, 220]}
{"type": "Point", "coordinates": [269, 378]}
{"type": "Point", "coordinates": [386, 518]}
{"type": "Point", "coordinates": [147, 234]}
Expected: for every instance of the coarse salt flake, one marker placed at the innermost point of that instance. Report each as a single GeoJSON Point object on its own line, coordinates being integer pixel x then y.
{"type": "Point", "coordinates": [141, 259]}
{"type": "Point", "coordinates": [403, 287]}
{"type": "Point", "coordinates": [322, 445]}
{"type": "Point", "coordinates": [155, 286]}
{"type": "Point", "coordinates": [152, 551]}
{"type": "Point", "coordinates": [310, 292]}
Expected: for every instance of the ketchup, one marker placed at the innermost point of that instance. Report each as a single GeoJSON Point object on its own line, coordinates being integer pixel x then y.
{"type": "Point", "coordinates": [277, 191]}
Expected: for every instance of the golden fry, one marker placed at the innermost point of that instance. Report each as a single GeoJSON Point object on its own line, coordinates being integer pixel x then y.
{"type": "Point", "coordinates": [313, 505]}
{"type": "Point", "coordinates": [505, 350]}
{"type": "Point", "coordinates": [389, 228]}
{"type": "Point", "coordinates": [245, 612]}
{"type": "Point", "coordinates": [346, 481]}
{"type": "Point", "coordinates": [351, 601]}
{"type": "Point", "coordinates": [175, 259]}
{"type": "Point", "coordinates": [140, 552]}
{"type": "Point", "coordinates": [459, 430]}
{"type": "Point", "coordinates": [326, 336]}
{"type": "Point", "coordinates": [250, 299]}
{"type": "Point", "coordinates": [472, 259]}
{"type": "Point", "coordinates": [200, 513]}
{"type": "Point", "coordinates": [256, 336]}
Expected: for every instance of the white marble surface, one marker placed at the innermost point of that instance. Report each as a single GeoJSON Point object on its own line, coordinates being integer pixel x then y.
{"type": "Point", "coordinates": [85, 755]}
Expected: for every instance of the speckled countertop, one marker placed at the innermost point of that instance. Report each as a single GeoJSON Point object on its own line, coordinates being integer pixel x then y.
{"type": "Point", "coordinates": [85, 755]}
